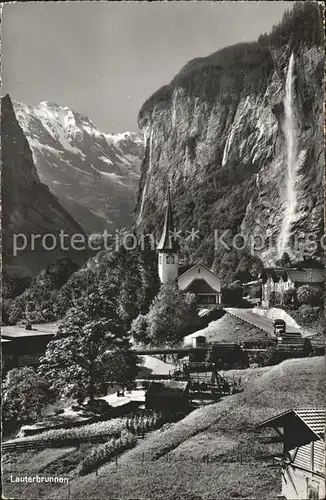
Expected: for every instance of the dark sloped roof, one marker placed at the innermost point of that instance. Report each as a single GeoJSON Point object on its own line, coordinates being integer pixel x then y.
{"type": "Point", "coordinates": [314, 417]}
{"type": "Point", "coordinates": [296, 275]}
{"type": "Point", "coordinates": [306, 275]}
{"type": "Point", "coordinates": [301, 425]}
{"type": "Point", "coordinates": [167, 241]}
{"type": "Point", "coordinates": [183, 269]}
{"type": "Point", "coordinates": [200, 286]}
{"type": "Point", "coordinates": [308, 263]}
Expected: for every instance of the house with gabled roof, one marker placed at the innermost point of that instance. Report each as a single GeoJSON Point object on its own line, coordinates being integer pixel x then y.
{"type": "Point", "coordinates": [280, 280]}
{"type": "Point", "coordinates": [302, 461]}
{"type": "Point", "coordinates": [197, 279]}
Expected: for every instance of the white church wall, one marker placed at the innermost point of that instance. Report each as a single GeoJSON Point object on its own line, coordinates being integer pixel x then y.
{"type": "Point", "coordinates": [168, 267]}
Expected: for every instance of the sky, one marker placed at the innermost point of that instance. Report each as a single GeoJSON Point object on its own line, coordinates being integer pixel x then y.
{"type": "Point", "coordinates": [104, 59]}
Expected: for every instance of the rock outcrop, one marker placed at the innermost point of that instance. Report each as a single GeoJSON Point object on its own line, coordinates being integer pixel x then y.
{"type": "Point", "coordinates": [216, 134]}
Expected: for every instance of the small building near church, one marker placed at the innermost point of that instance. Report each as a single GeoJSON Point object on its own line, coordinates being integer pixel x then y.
{"type": "Point", "coordinates": [302, 461]}
{"type": "Point", "coordinates": [281, 280]}
{"type": "Point", "coordinates": [197, 279]}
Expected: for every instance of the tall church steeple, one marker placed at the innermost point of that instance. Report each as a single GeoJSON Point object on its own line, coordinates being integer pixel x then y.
{"type": "Point", "coordinates": [167, 247]}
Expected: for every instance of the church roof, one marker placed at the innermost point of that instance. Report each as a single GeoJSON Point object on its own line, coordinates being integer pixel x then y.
{"type": "Point", "coordinates": [183, 269]}
{"type": "Point", "coordinates": [198, 264]}
{"type": "Point", "coordinates": [167, 241]}
{"type": "Point", "coordinates": [198, 286]}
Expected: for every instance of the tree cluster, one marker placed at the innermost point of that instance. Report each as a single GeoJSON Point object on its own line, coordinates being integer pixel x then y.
{"type": "Point", "coordinates": [171, 316]}
{"type": "Point", "coordinates": [91, 348]}
{"type": "Point", "coordinates": [303, 24]}
{"type": "Point", "coordinates": [133, 273]}
{"type": "Point", "coordinates": [37, 302]}
{"type": "Point", "coordinates": [25, 393]}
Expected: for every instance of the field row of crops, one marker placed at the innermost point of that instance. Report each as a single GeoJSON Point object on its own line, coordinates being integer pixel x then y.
{"type": "Point", "coordinates": [111, 427]}
{"type": "Point", "coordinates": [138, 423]}
{"type": "Point", "coordinates": [102, 453]}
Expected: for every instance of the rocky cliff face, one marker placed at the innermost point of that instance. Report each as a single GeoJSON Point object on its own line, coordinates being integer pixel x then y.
{"type": "Point", "coordinates": [216, 133]}
{"type": "Point", "coordinates": [28, 207]}
{"type": "Point", "coordinates": [94, 175]}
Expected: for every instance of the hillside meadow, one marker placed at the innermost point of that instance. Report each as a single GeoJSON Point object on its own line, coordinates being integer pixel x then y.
{"type": "Point", "coordinates": [206, 456]}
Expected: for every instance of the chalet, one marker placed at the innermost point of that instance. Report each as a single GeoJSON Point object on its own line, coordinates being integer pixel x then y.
{"type": "Point", "coordinates": [22, 347]}
{"type": "Point", "coordinates": [168, 395]}
{"type": "Point", "coordinates": [280, 280]}
{"type": "Point", "coordinates": [197, 279]}
{"type": "Point", "coordinates": [302, 461]}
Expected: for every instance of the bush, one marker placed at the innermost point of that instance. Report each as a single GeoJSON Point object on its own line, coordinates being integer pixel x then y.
{"type": "Point", "coordinates": [290, 299]}
{"type": "Point", "coordinates": [276, 299]}
{"type": "Point", "coordinates": [98, 406]}
{"type": "Point", "coordinates": [102, 453]}
{"type": "Point", "coordinates": [232, 295]}
{"type": "Point", "coordinates": [310, 295]}
{"type": "Point", "coordinates": [266, 358]}
{"type": "Point", "coordinates": [308, 316]}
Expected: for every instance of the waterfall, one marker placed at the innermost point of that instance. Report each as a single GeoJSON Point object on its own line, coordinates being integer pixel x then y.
{"type": "Point", "coordinates": [144, 193]}
{"type": "Point", "coordinates": [291, 161]}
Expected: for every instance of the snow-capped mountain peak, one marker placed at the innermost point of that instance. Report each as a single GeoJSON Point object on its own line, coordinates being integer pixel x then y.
{"type": "Point", "coordinates": [81, 164]}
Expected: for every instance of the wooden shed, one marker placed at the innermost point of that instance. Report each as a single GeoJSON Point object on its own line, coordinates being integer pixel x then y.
{"type": "Point", "coordinates": [168, 395]}
{"type": "Point", "coordinates": [302, 432]}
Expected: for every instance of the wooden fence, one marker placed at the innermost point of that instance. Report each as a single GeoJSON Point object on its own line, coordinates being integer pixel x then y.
{"type": "Point", "coordinates": [54, 443]}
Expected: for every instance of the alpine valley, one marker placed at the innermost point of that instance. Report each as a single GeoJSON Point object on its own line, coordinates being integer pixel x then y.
{"type": "Point", "coordinates": [93, 175]}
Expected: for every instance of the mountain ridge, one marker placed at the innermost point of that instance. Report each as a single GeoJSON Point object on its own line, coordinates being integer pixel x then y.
{"type": "Point", "coordinates": [28, 207]}
{"type": "Point", "coordinates": [93, 174]}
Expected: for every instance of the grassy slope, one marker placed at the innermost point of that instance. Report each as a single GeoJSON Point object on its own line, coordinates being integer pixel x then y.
{"type": "Point", "coordinates": [221, 430]}
{"type": "Point", "coordinates": [228, 329]}
{"type": "Point", "coordinates": [31, 463]}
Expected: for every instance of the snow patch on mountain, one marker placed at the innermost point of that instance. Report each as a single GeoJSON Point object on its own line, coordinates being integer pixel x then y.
{"type": "Point", "coordinates": [105, 159]}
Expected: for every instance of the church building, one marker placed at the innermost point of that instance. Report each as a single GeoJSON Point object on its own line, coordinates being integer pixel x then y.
{"type": "Point", "coordinates": [197, 279]}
